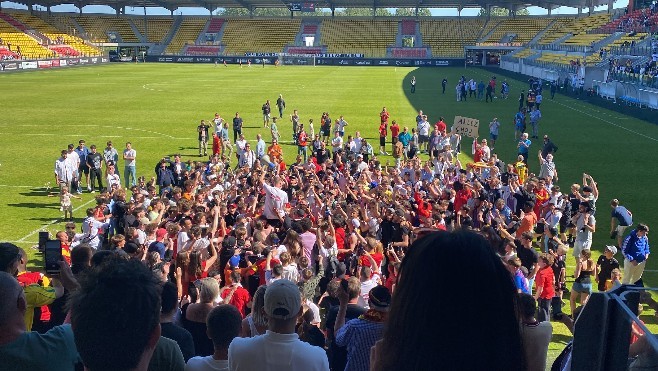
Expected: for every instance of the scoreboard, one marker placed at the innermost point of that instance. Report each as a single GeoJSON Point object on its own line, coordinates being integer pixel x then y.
{"type": "Point", "coordinates": [302, 7]}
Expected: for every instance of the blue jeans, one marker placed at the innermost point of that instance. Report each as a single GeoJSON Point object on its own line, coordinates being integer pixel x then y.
{"type": "Point", "coordinates": [128, 173]}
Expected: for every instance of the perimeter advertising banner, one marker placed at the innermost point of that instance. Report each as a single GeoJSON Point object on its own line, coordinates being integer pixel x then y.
{"type": "Point", "coordinates": [319, 61]}
{"type": "Point", "coordinates": [14, 65]}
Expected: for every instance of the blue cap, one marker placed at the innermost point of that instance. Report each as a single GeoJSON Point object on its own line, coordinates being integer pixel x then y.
{"type": "Point", "coordinates": [234, 261]}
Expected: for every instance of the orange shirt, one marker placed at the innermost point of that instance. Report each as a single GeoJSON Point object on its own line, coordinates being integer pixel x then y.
{"type": "Point", "coordinates": [527, 223]}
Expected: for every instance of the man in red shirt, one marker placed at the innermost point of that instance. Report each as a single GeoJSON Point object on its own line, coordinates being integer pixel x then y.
{"type": "Point", "coordinates": [395, 131]}
{"type": "Point", "coordinates": [544, 284]}
{"type": "Point", "coordinates": [383, 133]}
{"type": "Point", "coordinates": [235, 294]}
{"type": "Point", "coordinates": [441, 125]}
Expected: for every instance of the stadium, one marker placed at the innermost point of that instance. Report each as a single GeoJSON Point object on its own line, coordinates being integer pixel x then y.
{"type": "Point", "coordinates": [377, 121]}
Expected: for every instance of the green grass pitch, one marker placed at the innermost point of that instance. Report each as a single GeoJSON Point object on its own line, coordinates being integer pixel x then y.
{"type": "Point", "coordinates": [158, 106]}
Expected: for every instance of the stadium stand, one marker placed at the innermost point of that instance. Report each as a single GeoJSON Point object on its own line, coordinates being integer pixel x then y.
{"type": "Point", "coordinates": [309, 29]}
{"type": "Point", "coordinates": [215, 25]}
{"type": "Point", "coordinates": [369, 37]}
{"type": "Point", "coordinates": [258, 36]}
{"type": "Point", "coordinates": [525, 29]}
{"type": "Point", "coordinates": [96, 28]}
{"type": "Point", "coordinates": [187, 33]}
{"type": "Point", "coordinates": [5, 53]}
{"type": "Point", "coordinates": [20, 43]}
{"type": "Point", "coordinates": [640, 20]}
{"type": "Point", "coordinates": [408, 27]}
{"type": "Point", "coordinates": [574, 26]}
{"type": "Point", "coordinates": [154, 30]}
{"type": "Point", "coordinates": [447, 37]}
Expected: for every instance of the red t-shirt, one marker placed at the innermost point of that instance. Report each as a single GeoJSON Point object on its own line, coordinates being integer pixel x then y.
{"type": "Point", "coordinates": [542, 196]}
{"type": "Point", "coordinates": [395, 130]}
{"type": "Point", "coordinates": [383, 130]}
{"type": "Point", "coordinates": [461, 198]}
{"type": "Point", "coordinates": [384, 117]}
{"type": "Point", "coordinates": [377, 257]}
{"type": "Point", "coordinates": [302, 139]}
{"type": "Point", "coordinates": [528, 221]}
{"type": "Point", "coordinates": [441, 126]}
{"type": "Point", "coordinates": [340, 242]}
{"type": "Point", "coordinates": [239, 299]}
{"type": "Point", "coordinates": [546, 280]}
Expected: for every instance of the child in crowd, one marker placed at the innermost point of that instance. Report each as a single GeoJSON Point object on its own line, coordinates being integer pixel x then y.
{"type": "Point", "coordinates": [65, 202]}
{"type": "Point", "coordinates": [606, 264]}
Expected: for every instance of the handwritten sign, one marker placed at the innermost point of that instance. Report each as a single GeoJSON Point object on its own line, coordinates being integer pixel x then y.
{"type": "Point", "coordinates": [466, 126]}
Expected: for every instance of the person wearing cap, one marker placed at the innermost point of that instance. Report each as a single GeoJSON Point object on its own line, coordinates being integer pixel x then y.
{"type": "Point", "coordinates": [158, 245]}
{"type": "Point", "coordinates": [636, 252]}
{"type": "Point", "coordinates": [361, 334]}
{"type": "Point", "coordinates": [280, 347]}
{"type": "Point", "coordinates": [585, 226]}
{"type": "Point", "coordinates": [605, 264]}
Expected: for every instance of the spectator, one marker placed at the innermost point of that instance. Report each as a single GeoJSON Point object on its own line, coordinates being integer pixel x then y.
{"type": "Point", "coordinates": [21, 349]}
{"type": "Point", "coordinates": [536, 335]}
{"type": "Point", "coordinates": [223, 326]}
{"type": "Point", "coordinates": [256, 322]}
{"type": "Point", "coordinates": [170, 330]}
{"type": "Point", "coordinates": [193, 314]}
{"type": "Point", "coordinates": [636, 252]}
{"type": "Point", "coordinates": [361, 334]}
{"type": "Point", "coordinates": [410, 343]}
{"type": "Point", "coordinates": [338, 354]}
{"type": "Point", "coordinates": [280, 347]}
{"type": "Point", "coordinates": [130, 288]}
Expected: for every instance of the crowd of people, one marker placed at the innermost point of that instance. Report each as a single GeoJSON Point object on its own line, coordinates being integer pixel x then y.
{"type": "Point", "coordinates": [246, 260]}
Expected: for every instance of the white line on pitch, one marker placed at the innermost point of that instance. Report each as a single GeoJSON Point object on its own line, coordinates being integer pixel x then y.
{"type": "Point", "coordinates": [22, 240]}
{"type": "Point", "coordinates": [18, 186]}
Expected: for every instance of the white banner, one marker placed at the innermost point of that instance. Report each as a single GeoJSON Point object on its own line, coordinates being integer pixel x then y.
{"type": "Point", "coordinates": [466, 126]}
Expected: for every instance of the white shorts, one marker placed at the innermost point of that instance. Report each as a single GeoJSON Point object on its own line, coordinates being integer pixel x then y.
{"type": "Point", "coordinates": [579, 246]}
{"type": "Point", "coordinates": [621, 229]}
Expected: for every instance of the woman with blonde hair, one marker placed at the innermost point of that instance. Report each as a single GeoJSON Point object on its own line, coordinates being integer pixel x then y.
{"type": "Point", "coordinates": [193, 315]}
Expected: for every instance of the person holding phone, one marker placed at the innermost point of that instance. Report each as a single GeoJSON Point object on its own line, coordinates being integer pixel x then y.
{"type": "Point", "coordinates": [35, 295]}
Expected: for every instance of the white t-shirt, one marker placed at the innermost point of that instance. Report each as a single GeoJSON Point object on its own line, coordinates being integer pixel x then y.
{"type": "Point", "coordinates": [276, 352]}
{"type": "Point", "coordinates": [275, 200]}
{"type": "Point", "coordinates": [337, 143]}
{"type": "Point", "coordinates": [365, 291]}
{"type": "Point", "coordinates": [424, 128]}
{"type": "Point", "coordinates": [130, 153]}
{"type": "Point", "coordinates": [206, 364]}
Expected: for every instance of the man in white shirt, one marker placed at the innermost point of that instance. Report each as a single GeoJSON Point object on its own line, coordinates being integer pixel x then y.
{"type": "Point", "coordinates": [247, 157]}
{"type": "Point", "coordinates": [90, 229]}
{"type": "Point", "coordinates": [64, 170]}
{"type": "Point", "coordinates": [260, 147]}
{"type": "Point", "coordinates": [424, 134]}
{"type": "Point", "coordinates": [224, 324]}
{"type": "Point", "coordinates": [240, 145]}
{"type": "Point", "coordinates": [368, 282]}
{"type": "Point", "coordinates": [337, 143]}
{"type": "Point", "coordinates": [275, 201]}
{"type": "Point", "coordinates": [280, 347]}
{"type": "Point", "coordinates": [130, 173]}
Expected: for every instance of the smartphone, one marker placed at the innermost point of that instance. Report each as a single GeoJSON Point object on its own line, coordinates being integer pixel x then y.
{"type": "Point", "coordinates": [43, 237]}
{"type": "Point", "coordinates": [53, 255]}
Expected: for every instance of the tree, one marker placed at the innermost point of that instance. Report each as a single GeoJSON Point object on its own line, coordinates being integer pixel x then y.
{"type": "Point", "coordinates": [411, 12]}
{"type": "Point", "coordinates": [363, 12]}
{"type": "Point", "coordinates": [501, 12]}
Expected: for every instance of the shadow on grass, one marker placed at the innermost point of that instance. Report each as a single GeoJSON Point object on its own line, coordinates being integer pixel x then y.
{"type": "Point", "coordinates": [39, 192]}
{"type": "Point", "coordinates": [34, 205]}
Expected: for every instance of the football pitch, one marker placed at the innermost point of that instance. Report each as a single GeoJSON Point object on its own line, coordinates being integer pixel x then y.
{"type": "Point", "coordinates": [158, 107]}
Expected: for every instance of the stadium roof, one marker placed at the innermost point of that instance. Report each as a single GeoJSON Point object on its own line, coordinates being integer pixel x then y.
{"type": "Point", "coordinates": [250, 4]}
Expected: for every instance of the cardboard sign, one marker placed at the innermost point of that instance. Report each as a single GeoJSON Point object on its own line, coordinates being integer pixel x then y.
{"type": "Point", "coordinates": [466, 126]}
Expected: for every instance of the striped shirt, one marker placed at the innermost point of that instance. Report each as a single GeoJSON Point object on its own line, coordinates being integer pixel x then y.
{"type": "Point", "coordinates": [359, 336]}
